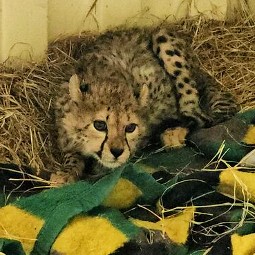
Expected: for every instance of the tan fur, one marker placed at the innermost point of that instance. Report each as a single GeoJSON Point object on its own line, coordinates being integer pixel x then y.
{"type": "Point", "coordinates": [173, 138]}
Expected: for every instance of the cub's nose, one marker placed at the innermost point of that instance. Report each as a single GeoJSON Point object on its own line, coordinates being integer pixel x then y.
{"type": "Point", "coordinates": [116, 152]}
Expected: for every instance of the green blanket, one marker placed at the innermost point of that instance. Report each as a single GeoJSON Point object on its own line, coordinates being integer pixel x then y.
{"type": "Point", "coordinates": [195, 200]}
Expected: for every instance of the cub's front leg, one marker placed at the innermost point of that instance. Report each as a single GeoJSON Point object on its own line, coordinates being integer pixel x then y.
{"type": "Point", "coordinates": [71, 171]}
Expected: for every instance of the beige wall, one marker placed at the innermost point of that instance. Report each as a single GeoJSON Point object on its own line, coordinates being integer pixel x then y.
{"type": "Point", "coordinates": [72, 17]}
{"type": "Point", "coordinates": [26, 26]}
{"type": "Point", "coordinates": [23, 29]}
{"type": "Point", "coordinates": [69, 17]}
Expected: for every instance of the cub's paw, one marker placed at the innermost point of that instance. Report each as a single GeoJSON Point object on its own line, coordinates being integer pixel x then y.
{"type": "Point", "coordinates": [60, 178]}
{"type": "Point", "coordinates": [174, 137]}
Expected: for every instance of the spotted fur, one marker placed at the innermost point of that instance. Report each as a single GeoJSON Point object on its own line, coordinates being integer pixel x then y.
{"type": "Point", "coordinates": [130, 86]}
{"type": "Point", "coordinates": [170, 50]}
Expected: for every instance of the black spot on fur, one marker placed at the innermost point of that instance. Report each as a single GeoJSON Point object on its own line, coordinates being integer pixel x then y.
{"type": "Point", "coordinates": [177, 73]}
{"type": "Point", "coordinates": [170, 52]}
{"type": "Point", "coordinates": [164, 81]}
{"type": "Point", "coordinates": [188, 91]}
{"type": "Point", "coordinates": [158, 50]}
{"type": "Point", "coordinates": [186, 79]}
{"type": "Point", "coordinates": [161, 39]}
{"type": "Point", "coordinates": [152, 94]}
{"type": "Point", "coordinates": [172, 77]}
{"type": "Point", "coordinates": [180, 85]}
{"type": "Point", "coordinates": [178, 64]}
{"type": "Point", "coordinates": [136, 94]}
{"type": "Point", "coordinates": [149, 46]}
{"type": "Point", "coordinates": [161, 62]}
{"type": "Point", "coordinates": [177, 52]}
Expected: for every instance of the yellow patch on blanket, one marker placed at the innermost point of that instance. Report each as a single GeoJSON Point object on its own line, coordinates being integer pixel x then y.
{"type": "Point", "coordinates": [123, 195]}
{"type": "Point", "coordinates": [89, 235]}
{"type": "Point", "coordinates": [249, 137]}
{"type": "Point", "coordinates": [243, 245]}
{"type": "Point", "coordinates": [19, 225]}
{"type": "Point", "coordinates": [237, 184]}
{"type": "Point", "coordinates": [175, 227]}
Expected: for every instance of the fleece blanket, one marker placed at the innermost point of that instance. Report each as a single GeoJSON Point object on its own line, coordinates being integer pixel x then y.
{"type": "Point", "coordinates": [195, 200]}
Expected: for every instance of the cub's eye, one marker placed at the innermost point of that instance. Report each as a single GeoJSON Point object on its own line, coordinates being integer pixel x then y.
{"type": "Point", "coordinates": [100, 125]}
{"type": "Point", "coordinates": [130, 128]}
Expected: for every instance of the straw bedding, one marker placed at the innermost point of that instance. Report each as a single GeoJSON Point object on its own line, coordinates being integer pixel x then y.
{"type": "Point", "coordinates": [27, 135]}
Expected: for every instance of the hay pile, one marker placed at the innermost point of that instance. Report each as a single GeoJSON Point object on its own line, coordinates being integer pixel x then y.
{"type": "Point", "coordinates": [228, 53]}
{"type": "Point", "coordinates": [26, 117]}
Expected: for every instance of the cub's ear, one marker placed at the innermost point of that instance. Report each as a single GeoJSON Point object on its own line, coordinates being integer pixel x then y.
{"type": "Point", "coordinates": [144, 95]}
{"type": "Point", "coordinates": [74, 88]}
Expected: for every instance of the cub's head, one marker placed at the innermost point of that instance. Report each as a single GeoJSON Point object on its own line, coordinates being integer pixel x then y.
{"type": "Point", "coordinates": [105, 120]}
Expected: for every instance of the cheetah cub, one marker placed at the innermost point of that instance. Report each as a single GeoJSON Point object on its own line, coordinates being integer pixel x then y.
{"type": "Point", "coordinates": [132, 86]}
{"type": "Point", "coordinates": [103, 122]}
